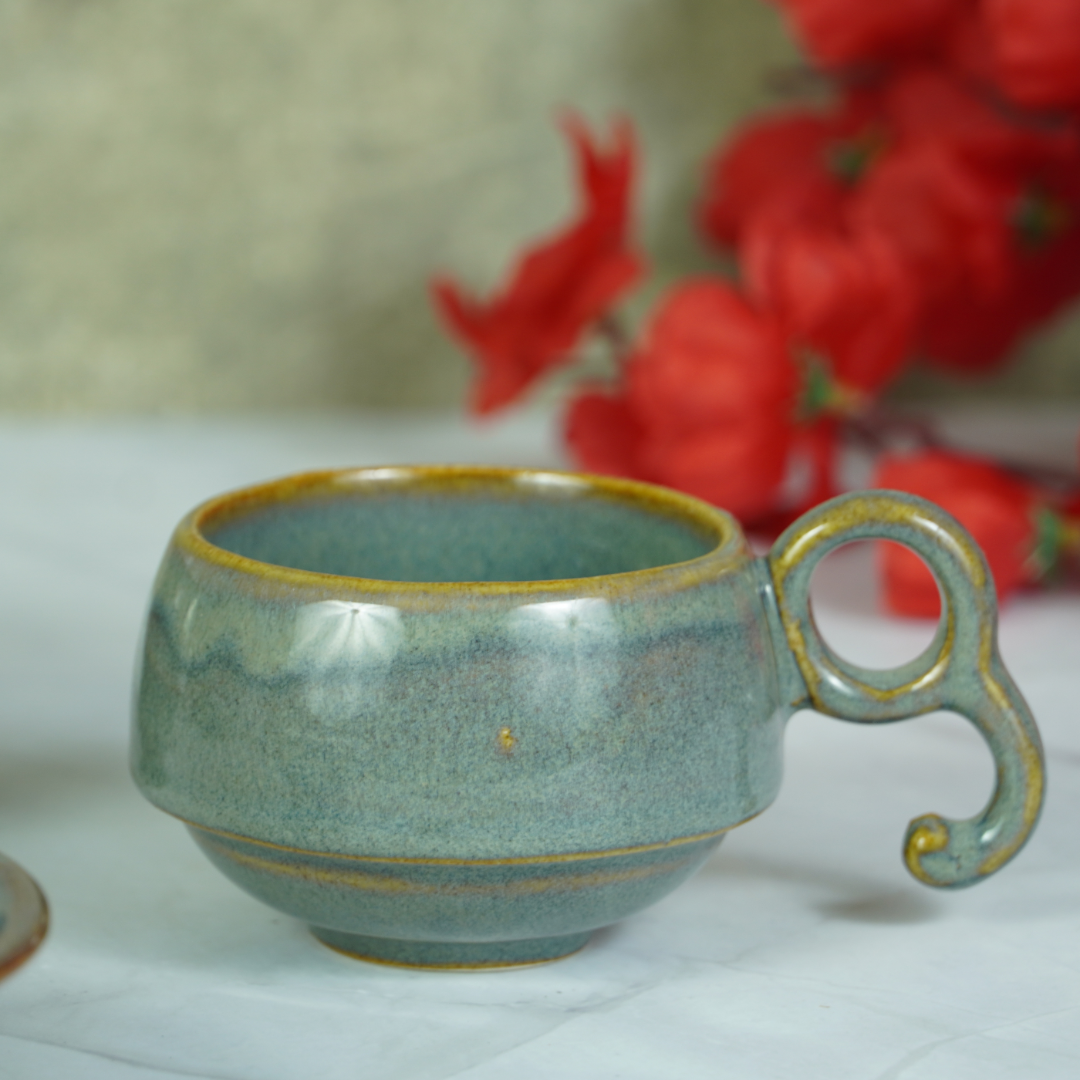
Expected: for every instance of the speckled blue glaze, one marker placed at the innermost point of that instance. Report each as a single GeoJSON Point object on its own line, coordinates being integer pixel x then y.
{"type": "Point", "coordinates": [960, 670]}
{"type": "Point", "coordinates": [461, 717]}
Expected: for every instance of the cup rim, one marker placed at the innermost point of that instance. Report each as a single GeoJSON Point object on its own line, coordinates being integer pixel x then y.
{"type": "Point", "coordinates": [729, 544]}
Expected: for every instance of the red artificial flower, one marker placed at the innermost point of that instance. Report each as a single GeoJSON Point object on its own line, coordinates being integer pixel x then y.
{"type": "Point", "coordinates": [839, 32]}
{"type": "Point", "coordinates": [558, 288]}
{"type": "Point", "coordinates": [844, 295]}
{"type": "Point", "coordinates": [972, 332]}
{"type": "Point", "coordinates": [782, 161]}
{"type": "Point", "coordinates": [918, 216]}
{"type": "Point", "coordinates": [929, 102]}
{"type": "Point", "coordinates": [998, 510]}
{"type": "Point", "coordinates": [1035, 50]}
{"type": "Point", "coordinates": [708, 405]}
{"type": "Point", "coordinates": [948, 221]}
{"type": "Point", "coordinates": [1010, 195]}
{"type": "Point", "coordinates": [850, 307]}
{"type": "Point", "coordinates": [966, 47]}
{"type": "Point", "coordinates": [603, 432]}
{"type": "Point", "coordinates": [895, 213]}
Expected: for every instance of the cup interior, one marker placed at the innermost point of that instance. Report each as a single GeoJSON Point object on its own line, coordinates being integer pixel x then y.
{"type": "Point", "coordinates": [464, 526]}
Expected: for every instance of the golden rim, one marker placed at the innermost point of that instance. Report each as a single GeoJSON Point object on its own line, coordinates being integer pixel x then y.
{"type": "Point", "coordinates": [715, 524]}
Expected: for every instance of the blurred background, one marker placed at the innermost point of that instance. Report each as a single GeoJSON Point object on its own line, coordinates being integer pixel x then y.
{"type": "Point", "coordinates": [211, 206]}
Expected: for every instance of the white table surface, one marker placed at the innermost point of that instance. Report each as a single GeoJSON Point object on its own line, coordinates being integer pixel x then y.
{"type": "Point", "coordinates": [802, 950]}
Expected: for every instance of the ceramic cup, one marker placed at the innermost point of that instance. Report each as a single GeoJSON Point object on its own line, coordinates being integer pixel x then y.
{"type": "Point", "coordinates": [462, 717]}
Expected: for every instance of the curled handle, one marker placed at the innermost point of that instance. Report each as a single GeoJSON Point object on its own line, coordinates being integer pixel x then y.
{"type": "Point", "coordinates": [960, 670]}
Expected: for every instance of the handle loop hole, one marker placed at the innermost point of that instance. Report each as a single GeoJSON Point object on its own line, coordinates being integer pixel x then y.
{"type": "Point", "coordinates": [846, 605]}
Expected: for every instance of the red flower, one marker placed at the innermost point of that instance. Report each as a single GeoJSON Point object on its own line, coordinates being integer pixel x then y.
{"type": "Point", "coordinates": [966, 46]}
{"type": "Point", "coordinates": [558, 288]}
{"type": "Point", "coordinates": [932, 103]}
{"type": "Point", "coordinates": [917, 216]}
{"type": "Point", "coordinates": [837, 32]}
{"type": "Point", "coordinates": [845, 295]}
{"type": "Point", "coordinates": [707, 407]}
{"type": "Point", "coordinates": [779, 161]}
{"type": "Point", "coordinates": [603, 432]}
{"type": "Point", "coordinates": [1035, 50]}
{"type": "Point", "coordinates": [894, 210]}
{"type": "Point", "coordinates": [974, 334]}
{"type": "Point", "coordinates": [998, 510]}
{"type": "Point", "coordinates": [848, 304]}
{"type": "Point", "coordinates": [948, 221]}
{"type": "Point", "coordinates": [970, 332]}
{"type": "Point", "coordinates": [1003, 218]}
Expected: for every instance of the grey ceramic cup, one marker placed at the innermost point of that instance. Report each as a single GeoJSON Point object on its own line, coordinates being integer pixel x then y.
{"type": "Point", "coordinates": [461, 717]}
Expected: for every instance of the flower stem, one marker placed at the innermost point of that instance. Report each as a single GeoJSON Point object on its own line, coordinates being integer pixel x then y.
{"type": "Point", "coordinates": [612, 329]}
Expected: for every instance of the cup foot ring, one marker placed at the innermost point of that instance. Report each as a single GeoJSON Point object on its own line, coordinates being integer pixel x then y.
{"type": "Point", "coordinates": [452, 955]}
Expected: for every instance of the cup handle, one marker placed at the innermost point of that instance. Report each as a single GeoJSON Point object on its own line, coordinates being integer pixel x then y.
{"type": "Point", "coordinates": [960, 670]}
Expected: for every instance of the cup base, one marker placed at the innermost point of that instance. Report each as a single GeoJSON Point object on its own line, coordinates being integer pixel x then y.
{"type": "Point", "coordinates": [452, 955]}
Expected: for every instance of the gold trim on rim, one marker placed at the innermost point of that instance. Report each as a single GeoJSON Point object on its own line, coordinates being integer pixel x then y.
{"type": "Point", "coordinates": [706, 520]}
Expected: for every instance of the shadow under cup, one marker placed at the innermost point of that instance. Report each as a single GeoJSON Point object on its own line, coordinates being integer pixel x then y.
{"type": "Point", "coordinates": [458, 717]}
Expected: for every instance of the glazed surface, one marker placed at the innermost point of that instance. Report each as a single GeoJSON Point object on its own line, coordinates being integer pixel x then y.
{"type": "Point", "coordinates": [339, 716]}
{"type": "Point", "coordinates": [492, 902]}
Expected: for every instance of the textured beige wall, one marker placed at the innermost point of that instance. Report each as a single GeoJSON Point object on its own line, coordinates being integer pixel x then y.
{"type": "Point", "coordinates": [223, 204]}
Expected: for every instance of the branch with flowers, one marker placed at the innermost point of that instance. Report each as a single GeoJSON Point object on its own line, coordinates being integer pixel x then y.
{"type": "Point", "coordinates": [930, 211]}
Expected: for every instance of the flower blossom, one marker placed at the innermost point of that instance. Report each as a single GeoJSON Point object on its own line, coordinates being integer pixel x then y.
{"type": "Point", "coordinates": [914, 217]}
{"type": "Point", "coordinates": [1035, 50]}
{"type": "Point", "coordinates": [778, 163]}
{"type": "Point", "coordinates": [837, 32]}
{"type": "Point", "coordinates": [558, 288]}
{"type": "Point", "coordinates": [844, 295]}
{"type": "Point", "coordinates": [707, 405]}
